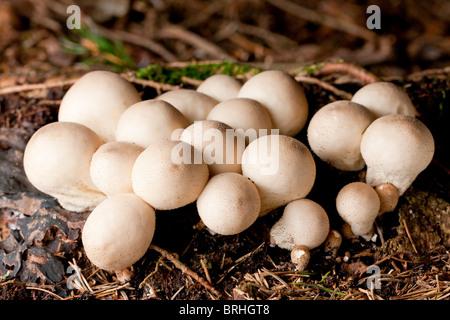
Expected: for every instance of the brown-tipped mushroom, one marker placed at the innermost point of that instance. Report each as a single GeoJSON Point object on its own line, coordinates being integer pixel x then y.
{"type": "Point", "coordinates": [148, 121]}
{"type": "Point", "coordinates": [333, 243]}
{"type": "Point", "coordinates": [335, 133]}
{"type": "Point", "coordinates": [118, 232]}
{"type": "Point", "coordinates": [388, 195]}
{"type": "Point", "coordinates": [97, 100]}
{"type": "Point", "coordinates": [243, 113]}
{"type": "Point", "coordinates": [300, 256]}
{"type": "Point", "coordinates": [282, 169]}
{"type": "Point", "coordinates": [220, 87]}
{"type": "Point", "coordinates": [304, 222]}
{"type": "Point", "coordinates": [168, 175]}
{"type": "Point", "coordinates": [57, 160]}
{"type": "Point", "coordinates": [396, 148]}
{"type": "Point", "coordinates": [194, 105]}
{"type": "Point", "coordinates": [229, 203]}
{"type": "Point", "coordinates": [111, 166]}
{"type": "Point", "coordinates": [358, 205]}
{"type": "Point", "coordinates": [383, 98]}
{"type": "Point", "coordinates": [283, 97]}
{"type": "Point", "coordinates": [216, 141]}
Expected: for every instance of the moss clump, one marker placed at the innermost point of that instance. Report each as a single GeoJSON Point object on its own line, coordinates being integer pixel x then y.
{"type": "Point", "coordinates": [175, 75]}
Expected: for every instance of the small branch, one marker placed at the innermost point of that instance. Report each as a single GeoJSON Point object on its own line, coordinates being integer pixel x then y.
{"type": "Point", "coordinates": [325, 68]}
{"type": "Point", "coordinates": [343, 94]}
{"type": "Point", "coordinates": [149, 83]}
{"type": "Point", "coordinates": [37, 86]}
{"type": "Point", "coordinates": [323, 19]}
{"type": "Point", "coordinates": [409, 236]}
{"type": "Point", "coordinates": [175, 32]}
{"type": "Point", "coordinates": [186, 270]}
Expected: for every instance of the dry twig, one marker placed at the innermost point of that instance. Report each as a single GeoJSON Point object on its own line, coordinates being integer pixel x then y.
{"type": "Point", "coordinates": [186, 270]}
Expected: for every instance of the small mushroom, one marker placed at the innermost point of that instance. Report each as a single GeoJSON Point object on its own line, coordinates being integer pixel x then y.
{"type": "Point", "coordinates": [194, 105]}
{"type": "Point", "coordinates": [335, 133]}
{"type": "Point", "coordinates": [358, 205]}
{"type": "Point", "coordinates": [118, 232]}
{"type": "Point", "coordinates": [243, 113]}
{"type": "Point", "coordinates": [396, 148]}
{"type": "Point", "coordinates": [383, 98]}
{"type": "Point", "coordinates": [388, 195]}
{"type": "Point", "coordinates": [216, 141]}
{"type": "Point", "coordinates": [282, 169]}
{"type": "Point", "coordinates": [111, 166]}
{"type": "Point", "coordinates": [167, 176]}
{"type": "Point", "coordinates": [97, 100]}
{"type": "Point", "coordinates": [229, 203]}
{"type": "Point", "coordinates": [283, 97]}
{"type": "Point", "coordinates": [333, 243]}
{"type": "Point", "coordinates": [300, 256]}
{"type": "Point", "coordinates": [220, 87]}
{"type": "Point", "coordinates": [304, 222]}
{"type": "Point", "coordinates": [148, 121]}
{"type": "Point", "coordinates": [57, 160]}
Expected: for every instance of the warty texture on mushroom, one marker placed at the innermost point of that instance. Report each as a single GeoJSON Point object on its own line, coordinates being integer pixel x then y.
{"type": "Point", "coordinates": [396, 148]}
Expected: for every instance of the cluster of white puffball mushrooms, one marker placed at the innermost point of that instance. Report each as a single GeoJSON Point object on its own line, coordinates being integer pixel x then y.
{"type": "Point", "coordinates": [124, 159]}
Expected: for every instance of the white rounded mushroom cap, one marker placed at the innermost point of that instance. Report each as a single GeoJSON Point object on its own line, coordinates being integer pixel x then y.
{"type": "Point", "coordinates": [283, 97]}
{"type": "Point", "coordinates": [358, 204]}
{"type": "Point", "coordinates": [383, 98]}
{"type": "Point", "coordinates": [304, 222]}
{"type": "Point", "coordinates": [194, 105]}
{"type": "Point", "coordinates": [149, 121]}
{"type": "Point", "coordinates": [396, 148]}
{"type": "Point", "coordinates": [215, 140]}
{"type": "Point", "coordinates": [229, 204]}
{"type": "Point", "coordinates": [57, 160]}
{"type": "Point", "coordinates": [282, 169]}
{"type": "Point", "coordinates": [97, 101]}
{"type": "Point", "coordinates": [243, 113]}
{"type": "Point", "coordinates": [118, 232]}
{"type": "Point", "coordinates": [111, 166]}
{"type": "Point", "coordinates": [335, 133]}
{"type": "Point", "coordinates": [220, 87]}
{"type": "Point", "coordinates": [167, 179]}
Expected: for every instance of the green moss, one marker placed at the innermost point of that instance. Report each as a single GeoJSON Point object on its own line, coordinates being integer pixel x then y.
{"type": "Point", "coordinates": [175, 75]}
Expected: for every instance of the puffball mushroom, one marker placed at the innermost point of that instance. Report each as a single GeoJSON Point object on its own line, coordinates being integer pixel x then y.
{"type": "Point", "coordinates": [57, 160]}
{"type": "Point", "coordinates": [220, 87]}
{"type": "Point", "coordinates": [167, 175]}
{"type": "Point", "coordinates": [243, 113]}
{"type": "Point", "coordinates": [194, 105]}
{"type": "Point", "coordinates": [282, 169]}
{"type": "Point", "coordinates": [229, 203]}
{"type": "Point", "coordinates": [300, 256]}
{"type": "Point", "coordinates": [335, 133]}
{"type": "Point", "coordinates": [118, 232]}
{"type": "Point", "coordinates": [396, 148]}
{"type": "Point", "coordinates": [97, 100]}
{"type": "Point", "coordinates": [358, 204]}
{"type": "Point", "coordinates": [111, 166]}
{"type": "Point", "coordinates": [149, 121]}
{"type": "Point", "coordinates": [384, 98]}
{"type": "Point", "coordinates": [304, 222]}
{"type": "Point", "coordinates": [388, 195]}
{"type": "Point", "coordinates": [283, 97]}
{"type": "Point", "coordinates": [216, 142]}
